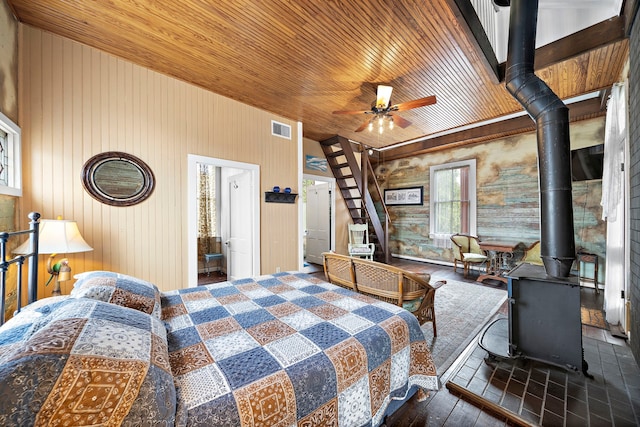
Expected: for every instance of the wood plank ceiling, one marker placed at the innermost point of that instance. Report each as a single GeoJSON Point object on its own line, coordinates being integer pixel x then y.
{"type": "Point", "coordinates": [304, 59]}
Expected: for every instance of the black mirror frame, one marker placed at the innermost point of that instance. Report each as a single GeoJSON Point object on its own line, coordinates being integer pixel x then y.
{"type": "Point", "coordinates": [89, 184]}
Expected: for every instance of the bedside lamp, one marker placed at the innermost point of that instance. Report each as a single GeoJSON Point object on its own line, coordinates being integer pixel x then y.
{"type": "Point", "coordinates": [57, 236]}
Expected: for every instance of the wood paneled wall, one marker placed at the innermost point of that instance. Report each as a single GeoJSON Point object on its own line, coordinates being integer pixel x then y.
{"type": "Point", "coordinates": [76, 101]}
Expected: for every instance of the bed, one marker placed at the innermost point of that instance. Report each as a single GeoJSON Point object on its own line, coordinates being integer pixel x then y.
{"type": "Point", "coordinates": [278, 350]}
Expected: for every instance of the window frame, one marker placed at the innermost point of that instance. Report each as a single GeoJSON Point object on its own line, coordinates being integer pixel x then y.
{"type": "Point", "coordinates": [471, 163]}
{"type": "Point", "coordinates": [14, 157]}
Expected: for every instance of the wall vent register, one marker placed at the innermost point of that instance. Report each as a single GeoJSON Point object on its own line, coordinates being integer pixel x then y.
{"type": "Point", "coordinates": [280, 129]}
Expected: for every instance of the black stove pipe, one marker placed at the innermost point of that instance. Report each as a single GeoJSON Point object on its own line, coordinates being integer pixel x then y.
{"type": "Point", "coordinates": [557, 244]}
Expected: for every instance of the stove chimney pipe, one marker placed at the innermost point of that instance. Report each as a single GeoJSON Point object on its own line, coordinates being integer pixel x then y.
{"type": "Point", "coordinates": [557, 244]}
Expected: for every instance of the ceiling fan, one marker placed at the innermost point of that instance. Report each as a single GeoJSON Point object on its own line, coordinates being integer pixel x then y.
{"type": "Point", "coordinates": [383, 112]}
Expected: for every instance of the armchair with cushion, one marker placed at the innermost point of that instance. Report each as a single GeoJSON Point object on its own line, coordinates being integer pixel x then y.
{"type": "Point", "coordinates": [532, 254]}
{"type": "Point", "coordinates": [467, 251]}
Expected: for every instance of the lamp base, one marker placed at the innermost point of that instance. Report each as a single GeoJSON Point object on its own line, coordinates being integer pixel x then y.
{"type": "Point", "coordinates": [56, 288]}
{"type": "Point", "coordinates": [61, 271]}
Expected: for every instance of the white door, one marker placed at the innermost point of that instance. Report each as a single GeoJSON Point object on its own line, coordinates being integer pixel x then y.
{"type": "Point", "coordinates": [239, 243]}
{"type": "Point", "coordinates": [318, 222]}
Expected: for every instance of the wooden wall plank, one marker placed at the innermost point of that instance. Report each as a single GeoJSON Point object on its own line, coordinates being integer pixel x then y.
{"type": "Point", "coordinates": [79, 102]}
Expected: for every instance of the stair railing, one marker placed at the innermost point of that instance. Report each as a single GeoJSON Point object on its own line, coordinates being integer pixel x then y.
{"type": "Point", "coordinates": [383, 237]}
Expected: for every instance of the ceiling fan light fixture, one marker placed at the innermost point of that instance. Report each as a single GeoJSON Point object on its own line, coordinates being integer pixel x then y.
{"type": "Point", "coordinates": [382, 111]}
{"type": "Point", "coordinates": [384, 96]}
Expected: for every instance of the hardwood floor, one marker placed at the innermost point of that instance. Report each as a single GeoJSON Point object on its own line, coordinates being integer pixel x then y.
{"type": "Point", "coordinates": [213, 277]}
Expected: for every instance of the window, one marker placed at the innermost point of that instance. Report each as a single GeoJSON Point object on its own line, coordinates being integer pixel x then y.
{"type": "Point", "coordinates": [10, 161]}
{"type": "Point", "coordinates": [453, 200]}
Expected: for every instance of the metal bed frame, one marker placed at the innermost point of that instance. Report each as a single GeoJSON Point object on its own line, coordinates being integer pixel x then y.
{"type": "Point", "coordinates": [32, 257]}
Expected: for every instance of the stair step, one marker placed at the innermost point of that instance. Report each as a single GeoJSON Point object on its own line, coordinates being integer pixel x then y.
{"type": "Point", "coordinates": [335, 153]}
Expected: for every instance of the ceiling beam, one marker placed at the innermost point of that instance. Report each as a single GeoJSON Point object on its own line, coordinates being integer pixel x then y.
{"type": "Point", "coordinates": [594, 37]}
{"type": "Point", "coordinates": [577, 111]}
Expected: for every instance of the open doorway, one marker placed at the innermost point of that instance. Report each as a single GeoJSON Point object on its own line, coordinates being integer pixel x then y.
{"type": "Point", "coordinates": [318, 197]}
{"type": "Point", "coordinates": [221, 192]}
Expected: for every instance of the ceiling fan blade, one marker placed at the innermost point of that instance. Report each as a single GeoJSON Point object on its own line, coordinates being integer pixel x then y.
{"type": "Point", "coordinates": [399, 121]}
{"type": "Point", "coordinates": [352, 112]}
{"type": "Point", "coordinates": [404, 106]}
{"type": "Point", "coordinates": [383, 97]}
{"type": "Point", "coordinates": [363, 126]}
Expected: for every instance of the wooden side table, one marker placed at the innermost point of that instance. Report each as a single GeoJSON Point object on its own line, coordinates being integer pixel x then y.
{"type": "Point", "coordinates": [585, 258]}
{"type": "Point", "coordinates": [500, 253]}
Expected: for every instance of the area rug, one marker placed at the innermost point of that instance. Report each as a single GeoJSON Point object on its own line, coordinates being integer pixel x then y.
{"type": "Point", "coordinates": [462, 310]}
{"type": "Point", "coordinates": [593, 317]}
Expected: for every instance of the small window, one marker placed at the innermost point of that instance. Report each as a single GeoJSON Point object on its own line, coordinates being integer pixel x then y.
{"type": "Point", "coordinates": [10, 160]}
{"type": "Point", "coordinates": [453, 199]}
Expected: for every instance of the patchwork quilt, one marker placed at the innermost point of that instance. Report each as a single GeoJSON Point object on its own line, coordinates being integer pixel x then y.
{"type": "Point", "coordinates": [280, 350]}
{"type": "Point", "coordinates": [86, 362]}
{"type": "Point", "coordinates": [289, 349]}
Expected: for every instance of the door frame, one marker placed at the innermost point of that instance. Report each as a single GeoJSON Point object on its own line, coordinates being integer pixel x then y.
{"type": "Point", "coordinates": [192, 206]}
{"type": "Point", "coordinates": [332, 220]}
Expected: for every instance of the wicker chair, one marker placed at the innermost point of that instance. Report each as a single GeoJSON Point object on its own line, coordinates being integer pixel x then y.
{"type": "Point", "coordinates": [385, 282]}
{"type": "Point", "coordinates": [338, 270]}
{"type": "Point", "coordinates": [396, 286]}
{"type": "Point", "coordinates": [467, 251]}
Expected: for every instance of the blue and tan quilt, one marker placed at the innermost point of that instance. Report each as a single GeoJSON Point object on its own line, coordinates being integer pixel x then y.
{"type": "Point", "coordinates": [280, 350]}
{"type": "Point", "coordinates": [289, 349]}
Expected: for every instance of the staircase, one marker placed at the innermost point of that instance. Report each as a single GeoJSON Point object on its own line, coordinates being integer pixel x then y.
{"type": "Point", "coordinates": [354, 185]}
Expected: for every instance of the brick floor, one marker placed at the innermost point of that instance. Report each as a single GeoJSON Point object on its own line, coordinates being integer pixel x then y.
{"type": "Point", "coordinates": [552, 396]}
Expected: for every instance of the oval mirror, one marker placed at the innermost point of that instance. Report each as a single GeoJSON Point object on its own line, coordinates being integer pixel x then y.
{"type": "Point", "coordinates": [117, 179]}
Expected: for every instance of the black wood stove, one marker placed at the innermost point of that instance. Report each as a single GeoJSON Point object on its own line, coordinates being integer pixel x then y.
{"type": "Point", "coordinates": [544, 320]}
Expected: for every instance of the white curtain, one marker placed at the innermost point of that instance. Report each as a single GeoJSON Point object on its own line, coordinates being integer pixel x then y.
{"type": "Point", "coordinates": [613, 206]}
{"type": "Point", "coordinates": [441, 240]}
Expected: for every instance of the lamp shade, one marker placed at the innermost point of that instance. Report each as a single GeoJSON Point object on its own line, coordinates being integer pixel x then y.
{"type": "Point", "coordinates": [57, 236]}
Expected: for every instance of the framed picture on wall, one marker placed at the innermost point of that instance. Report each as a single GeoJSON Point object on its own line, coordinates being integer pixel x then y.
{"type": "Point", "coordinates": [403, 196]}
{"type": "Point", "coordinates": [315, 163]}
